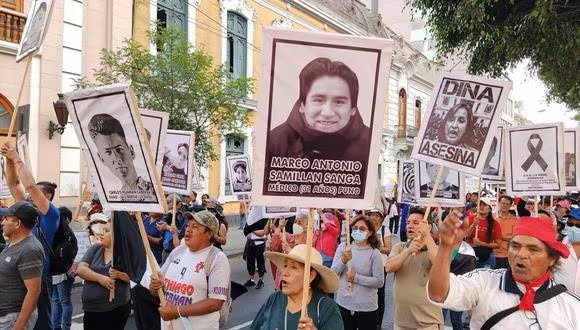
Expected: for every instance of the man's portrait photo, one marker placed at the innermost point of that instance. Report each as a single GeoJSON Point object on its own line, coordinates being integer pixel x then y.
{"type": "Point", "coordinates": [493, 169]}
{"type": "Point", "coordinates": [177, 168]}
{"type": "Point", "coordinates": [155, 124]}
{"type": "Point", "coordinates": [450, 186]}
{"type": "Point", "coordinates": [239, 174]}
{"type": "Point", "coordinates": [34, 31]}
{"type": "Point", "coordinates": [571, 149]}
{"type": "Point", "coordinates": [322, 100]}
{"type": "Point", "coordinates": [112, 137]}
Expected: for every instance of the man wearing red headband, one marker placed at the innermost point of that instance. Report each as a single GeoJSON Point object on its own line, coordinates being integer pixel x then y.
{"type": "Point", "coordinates": [520, 297]}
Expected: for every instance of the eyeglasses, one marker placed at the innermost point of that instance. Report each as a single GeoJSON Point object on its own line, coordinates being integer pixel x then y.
{"type": "Point", "coordinates": [359, 228]}
{"type": "Point", "coordinates": [571, 224]}
{"type": "Point", "coordinates": [532, 316]}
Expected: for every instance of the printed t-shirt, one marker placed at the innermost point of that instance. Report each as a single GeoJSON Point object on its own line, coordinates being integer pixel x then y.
{"type": "Point", "coordinates": [185, 283]}
{"type": "Point", "coordinates": [481, 230]}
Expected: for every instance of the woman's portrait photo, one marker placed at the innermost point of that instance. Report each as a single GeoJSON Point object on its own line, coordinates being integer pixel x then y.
{"type": "Point", "coordinates": [239, 174]}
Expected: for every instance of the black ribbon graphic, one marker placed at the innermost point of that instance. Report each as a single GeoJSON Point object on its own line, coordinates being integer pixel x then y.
{"type": "Point", "coordinates": [534, 154]}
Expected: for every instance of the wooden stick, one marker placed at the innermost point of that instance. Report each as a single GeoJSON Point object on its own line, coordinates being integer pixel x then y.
{"type": "Point", "coordinates": [174, 210]}
{"type": "Point", "coordinates": [112, 291]}
{"type": "Point", "coordinates": [81, 202]}
{"type": "Point", "coordinates": [551, 202]}
{"type": "Point", "coordinates": [306, 279]}
{"type": "Point", "coordinates": [151, 261]}
{"type": "Point", "coordinates": [477, 206]}
{"type": "Point", "coordinates": [348, 264]}
{"type": "Point", "coordinates": [19, 98]}
{"type": "Point", "coordinates": [536, 204]}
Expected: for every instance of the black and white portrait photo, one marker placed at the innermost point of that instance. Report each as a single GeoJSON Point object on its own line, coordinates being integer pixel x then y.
{"type": "Point", "coordinates": [322, 100]}
{"type": "Point", "coordinates": [177, 169]}
{"type": "Point", "coordinates": [406, 185]}
{"type": "Point", "coordinates": [493, 168]}
{"type": "Point", "coordinates": [277, 212]}
{"type": "Point", "coordinates": [35, 28]}
{"type": "Point", "coordinates": [461, 122]}
{"type": "Point", "coordinates": [571, 158]}
{"type": "Point", "coordinates": [239, 174]}
{"type": "Point", "coordinates": [535, 160]}
{"type": "Point", "coordinates": [105, 120]}
{"type": "Point", "coordinates": [155, 124]}
{"type": "Point", "coordinates": [450, 190]}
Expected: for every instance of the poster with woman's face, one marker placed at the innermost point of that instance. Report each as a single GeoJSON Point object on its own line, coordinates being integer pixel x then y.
{"type": "Point", "coordinates": [35, 28]}
{"type": "Point", "coordinates": [177, 169]}
{"type": "Point", "coordinates": [461, 121]}
{"type": "Point", "coordinates": [239, 174]}
{"type": "Point", "coordinates": [155, 124]}
{"type": "Point", "coordinates": [110, 133]}
{"type": "Point", "coordinates": [450, 190]}
{"type": "Point", "coordinates": [572, 158]}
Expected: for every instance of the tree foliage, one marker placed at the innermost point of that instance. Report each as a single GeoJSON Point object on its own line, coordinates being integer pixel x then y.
{"type": "Point", "coordinates": [494, 35]}
{"type": "Point", "coordinates": [198, 95]}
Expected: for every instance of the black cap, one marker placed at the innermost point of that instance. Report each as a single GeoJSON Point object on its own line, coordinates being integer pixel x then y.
{"type": "Point", "coordinates": [24, 211]}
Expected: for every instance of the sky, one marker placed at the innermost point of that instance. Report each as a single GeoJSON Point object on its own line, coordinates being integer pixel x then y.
{"type": "Point", "coordinates": [532, 92]}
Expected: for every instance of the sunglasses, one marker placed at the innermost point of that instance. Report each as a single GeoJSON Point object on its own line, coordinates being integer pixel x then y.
{"type": "Point", "coordinates": [570, 224]}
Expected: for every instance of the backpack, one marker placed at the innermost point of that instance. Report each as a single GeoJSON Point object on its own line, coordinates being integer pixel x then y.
{"type": "Point", "coordinates": [227, 306]}
{"type": "Point", "coordinates": [64, 249]}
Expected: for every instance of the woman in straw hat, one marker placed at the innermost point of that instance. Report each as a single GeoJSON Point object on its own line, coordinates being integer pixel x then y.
{"type": "Point", "coordinates": [282, 309]}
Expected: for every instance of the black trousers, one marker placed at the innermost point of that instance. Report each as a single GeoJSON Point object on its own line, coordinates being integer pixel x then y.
{"type": "Point", "coordinates": [358, 320]}
{"type": "Point", "coordinates": [44, 305]}
{"type": "Point", "coordinates": [111, 320]}
{"type": "Point", "coordinates": [145, 308]}
{"type": "Point", "coordinates": [256, 255]}
{"type": "Point", "coordinates": [394, 224]}
{"type": "Point", "coordinates": [381, 310]}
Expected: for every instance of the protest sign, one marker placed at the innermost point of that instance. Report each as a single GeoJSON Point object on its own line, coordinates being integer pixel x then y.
{"type": "Point", "coordinates": [322, 98]}
{"type": "Point", "coordinates": [239, 174]}
{"type": "Point", "coordinates": [155, 124]}
{"type": "Point", "coordinates": [278, 211]}
{"type": "Point", "coordinates": [462, 118]}
{"type": "Point", "coordinates": [493, 171]}
{"type": "Point", "coordinates": [83, 243]}
{"type": "Point", "coordinates": [35, 28]}
{"type": "Point", "coordinates": [535, 160]}
{"type": "Point", "coordinates": [177, 171]}
{"type": "Point", "coordinates": [108, 125]}
{"type": "Point", "coordinates": [572, 158]}
{"type": "Point", "coordinates": [23, 151]}
{"type": "Point", "coordinates": [407, 183]}
{"type": "Point", "coordinates": [451, 188]}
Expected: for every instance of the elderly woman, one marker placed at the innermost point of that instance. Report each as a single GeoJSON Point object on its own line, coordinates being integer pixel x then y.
{"type": "Point", "coordinates": [457, 125]}
{"type": "Point", "coordinates": [282, 309]}
{"type": "Point", "coordinates": [358, 304]}
{"type": "Point", "coordinates": [100, 278]}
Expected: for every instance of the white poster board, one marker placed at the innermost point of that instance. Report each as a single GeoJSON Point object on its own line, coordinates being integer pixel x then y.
{"type": "Point", "coordinates": [155, 124]}
{"type": "Point", "coordinates": [37, 22]}
{"type": "Point", "coordinates": [109, 129]}
{"type": "Point", "coordinates": [23, 151]}
{"type": "Point", "coordinates": [407, 186]}
{"type": "Point", "coordinates": [177, 170]}
{"type": "Point", "coordinates": [314, 158]}
{"type": "Point", "coordinates": [572, 158]}
{"type": "Point", "coordinates": [493, 171]}
{"type": "Point", "coordinates": [278, 211]}
{"type": "Point", "coordinates": [239, 174]}
{"type": "Point", "coordinates": [83, 242]}
{"type": "Point", "coordinates": [535, 160]}
{"type": "Point", "coordinates": [451, 189]}
{"type": "Point", "coordinates": [461, 120]}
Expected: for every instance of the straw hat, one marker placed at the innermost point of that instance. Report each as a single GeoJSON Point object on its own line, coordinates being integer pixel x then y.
{"type": "Point", "coordinates": [329, 280]}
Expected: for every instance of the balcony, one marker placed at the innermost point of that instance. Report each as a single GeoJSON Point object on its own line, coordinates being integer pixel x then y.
{"type": "Point", "coordinates": [403, 132]}
{"type": "Point", "coordinates": [11, 25]}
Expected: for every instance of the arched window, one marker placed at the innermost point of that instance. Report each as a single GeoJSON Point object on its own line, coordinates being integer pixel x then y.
{"type": "Point", "coordinates": [173, 13]}
{"type": "Point", "coordinates": [417, 113]}
{"type": "Point", "coordinates": [401, 131]}
{"type": "Point", "coordinates": [237, 42]}
{"type": "Point", "coordinates": [6, 110]}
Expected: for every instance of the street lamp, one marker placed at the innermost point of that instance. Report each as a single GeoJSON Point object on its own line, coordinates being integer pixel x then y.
{"type": "Point", "coordinates": [61, 116]}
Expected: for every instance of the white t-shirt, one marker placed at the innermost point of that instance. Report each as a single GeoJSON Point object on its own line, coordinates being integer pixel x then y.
{"type": "Point", "coordinates": [185, 283]}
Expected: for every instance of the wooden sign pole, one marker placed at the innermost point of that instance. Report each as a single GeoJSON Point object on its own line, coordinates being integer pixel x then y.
{"type": "Point", "coordinates": [19, 98]}
{"type": "Point", "coordinates": [112, 291]}
{"type": "Point", "coordinates": [348, 248]}
{"type": "Point", "coordinates": [477, 206]}
{"type": "Point", "coordinates": [306, 279]}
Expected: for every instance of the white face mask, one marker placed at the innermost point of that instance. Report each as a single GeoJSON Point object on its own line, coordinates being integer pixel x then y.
{"type": "Point", "coordinates": [297, 229]}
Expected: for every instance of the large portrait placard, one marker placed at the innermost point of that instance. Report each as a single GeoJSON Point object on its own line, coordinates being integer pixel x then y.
{"type": "Point", "coordinates": [177, 170]}
{"type": "Point", "coordinates": [535, 160]}
{"type": "Point", "coordinates": [239, 174]}
{"type": "Point", "coordinates": [108, 125]}
{"type": "Point", "coordinates": [155, 124]}
{"type": "Point", "coordinates": [451, 189]}
{"type": "Point", "coordinates": [35, 28]}
{"type": "Point", "coordinates": [461, 121]}
{"type": "Point", "coordinates": [321, 104]}
{"type": "Point", "coordinates": [407, 185]}
{"type": "Point", "coordinates": [572, 158]}
{"type": "Point", "coordinates": [493, 170]}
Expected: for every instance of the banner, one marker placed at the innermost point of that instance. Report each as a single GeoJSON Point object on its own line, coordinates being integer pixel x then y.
{"type": "Point", "coordinates": [37, 22]}
{"type": "Point", "coordinates": [108, 126]}
{"type": "Point", "coordinates": [322, 97]}
{"type": "Point", "coordinates": [407, 183]}
{"type": "Point", "coordinates": [177, 170]}
{"type": "Point", "coordinates": [239, 174]}
{"type": "Point", "coordinates": [155, 124]}
{"type": "Point", "coordinates": [493, 170]}
{"type": "Point", "coordinates": [535, 160]}
{"type": "Point", "coordinates": [462, 118]}
{"type": "Point", "coordinates": [572, 158]}
{"type": "Point", "coordinates": [451, 189]}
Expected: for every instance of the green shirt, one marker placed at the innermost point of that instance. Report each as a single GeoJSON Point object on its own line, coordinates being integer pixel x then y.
{"type": "Point", "coordinates": [273, 314]}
